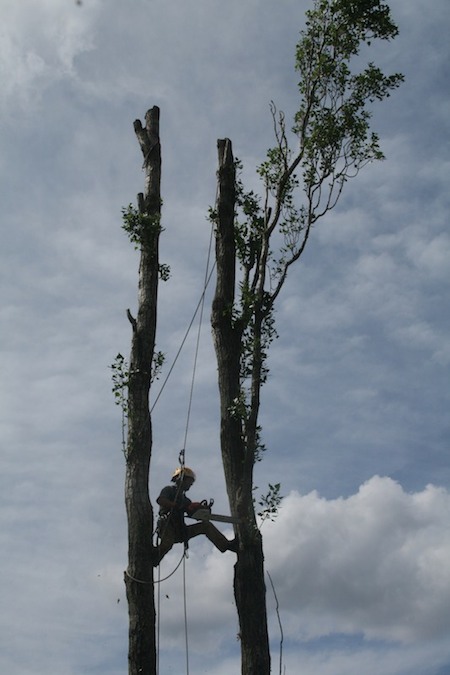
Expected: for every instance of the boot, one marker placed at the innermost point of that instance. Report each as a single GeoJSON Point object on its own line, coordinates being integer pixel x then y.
{"type": "Point", "coordinates": [233, 545]}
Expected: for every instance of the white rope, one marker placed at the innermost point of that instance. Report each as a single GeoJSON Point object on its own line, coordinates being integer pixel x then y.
{"type": "Point", "coordinates": [181, 457]}
{"type": "Point", "coordinates": [158, 626]}
{"type": "Point", "coordinates": [186, 638]}
{"type": "Point", "coordinates": [183, 451]}
{"type": "Point", "coordinates": [194, 369]}
{"type": "Point", "coordinates": [199, 304]}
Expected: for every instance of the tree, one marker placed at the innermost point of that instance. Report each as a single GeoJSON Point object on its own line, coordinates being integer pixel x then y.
{"type": "Point", "coordinates": [143, 226]}
{"type": "Point", "coordinates": [264, 237]}
{"type": "Point", "coordinates": [257, 241]}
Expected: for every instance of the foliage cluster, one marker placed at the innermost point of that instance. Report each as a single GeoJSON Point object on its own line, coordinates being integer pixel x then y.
{"type": "Point", "coordinates": [270, 503]}
{"type": "Point", "coordinates": [140, 227]}
{"type": "Point", "coordinates": [142, 230]}
{"type": "Point", "coordinates": [121, 379]}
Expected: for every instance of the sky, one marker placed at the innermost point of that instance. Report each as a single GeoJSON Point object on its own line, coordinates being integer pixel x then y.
{"type": "Point", "coordinates": [356, 409]}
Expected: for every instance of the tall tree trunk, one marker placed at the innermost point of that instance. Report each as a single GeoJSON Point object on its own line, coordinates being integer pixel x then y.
{"type": "Point", "coordinates": [238, 458]}
{"type": "Point", "coordinates": [139, 575]}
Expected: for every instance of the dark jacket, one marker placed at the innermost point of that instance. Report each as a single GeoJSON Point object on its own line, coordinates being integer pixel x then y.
{"type": "Point", "coordinates": [173, 519]}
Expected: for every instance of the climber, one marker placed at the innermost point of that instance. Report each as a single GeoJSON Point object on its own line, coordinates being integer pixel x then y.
{"type": "Point", "coordinates": [171, 526]}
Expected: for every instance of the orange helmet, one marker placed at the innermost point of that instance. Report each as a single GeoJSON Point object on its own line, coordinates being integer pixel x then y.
{"type": "Point", "coordinates": [182, 472]}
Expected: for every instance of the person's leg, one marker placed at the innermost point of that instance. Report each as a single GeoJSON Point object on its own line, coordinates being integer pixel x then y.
{"type": "Point", "coordinates": [165, 543]}
{"type": "Point", "coordinates": [214, 535]}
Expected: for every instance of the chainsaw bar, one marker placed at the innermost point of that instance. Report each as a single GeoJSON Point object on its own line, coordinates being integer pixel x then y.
{"type": "Point", "coordinates": [205, 514]}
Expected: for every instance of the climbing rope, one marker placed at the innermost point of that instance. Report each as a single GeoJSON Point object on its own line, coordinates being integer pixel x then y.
{"type": "Point", "coordinates": [197, 345]}
{"type": "Point", "coordinates": [183, 451]}
{"type": "Point", "coordinates": [199, 304]}
{"type": "Point", "coordinates": [182, 454]}
{"type": "Point", "coordinates": [186, 637]}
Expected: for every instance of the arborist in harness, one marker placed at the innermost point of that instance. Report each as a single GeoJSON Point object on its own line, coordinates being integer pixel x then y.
{"type": "Point", "coordinates": [171, 526]}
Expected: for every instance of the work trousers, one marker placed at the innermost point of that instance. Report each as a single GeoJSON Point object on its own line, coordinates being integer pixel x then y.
{"type": "Point", "coordinates": [170, 535]}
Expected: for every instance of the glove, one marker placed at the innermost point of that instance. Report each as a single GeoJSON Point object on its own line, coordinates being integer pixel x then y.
{"type": "Point", "coordinates": [194, 506]}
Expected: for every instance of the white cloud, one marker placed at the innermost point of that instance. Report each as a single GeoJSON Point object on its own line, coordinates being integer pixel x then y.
{"type": "Point", "coordinates": [372, 563]}
{"type": "Point", "coordinates": [368, 572]}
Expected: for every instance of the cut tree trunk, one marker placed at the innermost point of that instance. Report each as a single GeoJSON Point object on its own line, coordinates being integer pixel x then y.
{"type": "Point", "coordinates": [238, 458]}
{"type": "Point", "coordinates": [139, 575]}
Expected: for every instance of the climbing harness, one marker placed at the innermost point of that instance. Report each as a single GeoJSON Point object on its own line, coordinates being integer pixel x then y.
{"type": "Point", "coordinates": [163, 524]}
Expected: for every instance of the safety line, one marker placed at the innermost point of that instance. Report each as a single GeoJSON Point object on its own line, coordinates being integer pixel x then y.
{"type": "Point", "coordinates": [184, 339]}
{"type": "Point", "coordinates": [186, 640]}
{"type": "Point", "coordinates": [194, 370]}
{"type": "Point", "coordinates": [158, 623]}
{"type": "Point", "coordinates": [181, 457]}
{"type": "Point", "coordinates": [183, 451]}
{"type": "Point", "coordinates": [159, 581]}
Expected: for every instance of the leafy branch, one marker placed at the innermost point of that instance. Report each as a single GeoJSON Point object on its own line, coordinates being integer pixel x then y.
{"type": "Point", "coordinates": [143, 231]}
{"type": "Point", "coordinates": [140, 227]}
{"type": "Point", "coordinates": [121, 379]}
{"type": "Point", "coordinates": [270, 503]}
{"type": "Point", "coordinates": [304, 174]}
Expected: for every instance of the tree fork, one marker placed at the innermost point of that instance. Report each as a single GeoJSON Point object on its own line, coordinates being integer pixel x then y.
{"type": "Point", "coordinates": [139, 575]}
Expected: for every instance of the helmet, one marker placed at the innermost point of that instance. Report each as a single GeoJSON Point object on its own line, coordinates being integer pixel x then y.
{"type": "Point", "coordinates": [183, 471]}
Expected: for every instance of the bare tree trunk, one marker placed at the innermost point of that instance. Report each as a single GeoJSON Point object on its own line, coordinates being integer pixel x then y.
{"type": "Point", "coordinates": [238, 458]}
{"type": "Point", "coordinates": [139, 575]}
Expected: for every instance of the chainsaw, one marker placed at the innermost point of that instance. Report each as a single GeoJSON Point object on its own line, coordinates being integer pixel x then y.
{"type": "Point", "coordinates": [202, 511]}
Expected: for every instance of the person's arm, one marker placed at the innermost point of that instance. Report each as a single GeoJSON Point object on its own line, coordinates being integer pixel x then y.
{"type": "Point", "coordinates": [166, 503]}
{"type": "Point", "coordinates": [166, 499]}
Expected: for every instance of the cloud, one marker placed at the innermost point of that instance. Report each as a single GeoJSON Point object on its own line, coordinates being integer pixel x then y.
{"type": "Point", "coordinates": [348, 660]}
{"type": "Point", "coordinates": [362, 583]}
{"type": "Point", "coordinates": [372, 563]}
{"type": "Point", "coordinates": [32, 60]}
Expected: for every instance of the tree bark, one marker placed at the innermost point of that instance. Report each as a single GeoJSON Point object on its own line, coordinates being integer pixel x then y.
{"type": "Point", "coordinates": [237, 455]}
{"type": "Point", "coordinates": [139, 575]}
